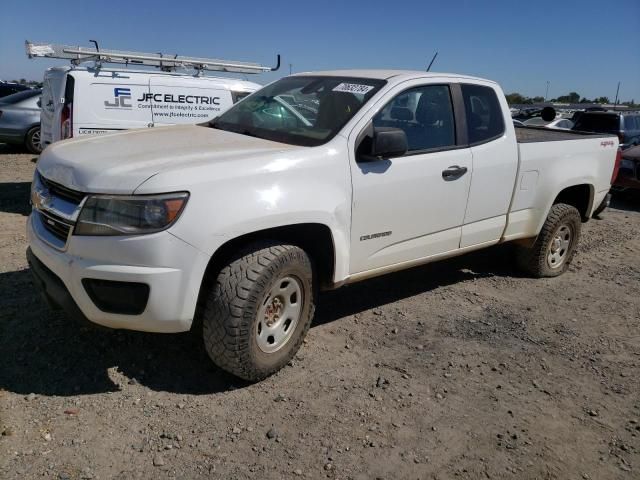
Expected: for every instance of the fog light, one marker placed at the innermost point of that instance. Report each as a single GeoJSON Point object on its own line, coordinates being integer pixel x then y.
{"type": "Point", "coordinates": [125, 298]}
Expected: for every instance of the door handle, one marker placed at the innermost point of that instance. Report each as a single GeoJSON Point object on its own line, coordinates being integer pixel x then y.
{"type": "Point", "coordinates": [453, 172]}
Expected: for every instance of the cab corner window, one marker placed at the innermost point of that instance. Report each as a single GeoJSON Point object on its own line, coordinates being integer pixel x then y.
{"type": "Point", "coordinates": [425, 114]}
{"type": "Point", "coordinates": [484, 114]}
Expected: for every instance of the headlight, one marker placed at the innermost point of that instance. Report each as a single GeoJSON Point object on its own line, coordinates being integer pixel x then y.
{"type": "Point", "coordinates": [134, 215]}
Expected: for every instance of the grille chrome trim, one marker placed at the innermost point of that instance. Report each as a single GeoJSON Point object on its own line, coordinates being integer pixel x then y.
{"type": "Point", "coordinates": [56, 226]}
{"type": "Point", "coordinates": [72, 196]}
{"type": "Point", "coordinates": [57, 208]}
{"type": "Point", "coordinates": [38, 224]}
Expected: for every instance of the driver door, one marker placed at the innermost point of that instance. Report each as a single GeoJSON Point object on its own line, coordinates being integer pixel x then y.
{"type": "Point", "coordinates": [408, 208]}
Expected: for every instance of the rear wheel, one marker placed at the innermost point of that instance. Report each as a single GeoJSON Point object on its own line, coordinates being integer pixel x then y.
{"type": "Point", "coordinates": [258, 312]}
{"type": "Point", "coordinates": [32, 141]}
{"type": "Point", "coordinates": [555, 246]}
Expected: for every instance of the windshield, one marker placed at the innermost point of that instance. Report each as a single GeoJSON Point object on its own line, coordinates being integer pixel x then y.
{"type": "Point", "coordinates": [300, 110]}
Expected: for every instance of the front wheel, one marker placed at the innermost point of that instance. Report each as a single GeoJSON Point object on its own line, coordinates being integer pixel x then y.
{"type": "Point", "coordinates": [259, 310]}
{"type": "Point", "coordinates": [555, 246]}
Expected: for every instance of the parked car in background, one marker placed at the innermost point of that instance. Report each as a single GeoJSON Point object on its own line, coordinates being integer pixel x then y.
{"type": "Point", "coordinates": [625, 125]}
{"type": "Point", "coordinates": [7, 88]}
{"type": "Point", "coordinates": [629, 174]}
{"type": "Point", "coordinates": [526, 113]}
{"type": "Point", "coordinates": [559, 123]}
{"type": "Point", "coordinates": [20, 119]}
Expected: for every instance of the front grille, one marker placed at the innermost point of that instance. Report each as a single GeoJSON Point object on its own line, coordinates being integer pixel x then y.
{"type": "Point", "coordinates": [56, 226]}
{"type": "Point", "coordinates": [63, 192]}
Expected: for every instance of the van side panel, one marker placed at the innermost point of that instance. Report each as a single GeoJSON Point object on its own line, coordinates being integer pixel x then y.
{"type": "Point", "coordinates": [108, 101]}
{"type": "Point", "coordinates": [187, 101]}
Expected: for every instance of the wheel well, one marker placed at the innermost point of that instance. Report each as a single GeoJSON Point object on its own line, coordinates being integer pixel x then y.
{"type": "Point", "coordinates": [313, 238]}
{"type": "Point", "coordinates": [578, 196]}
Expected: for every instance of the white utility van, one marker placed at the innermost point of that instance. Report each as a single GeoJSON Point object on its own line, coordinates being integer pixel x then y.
{"type": "Point", "coordinates": [93, 100]}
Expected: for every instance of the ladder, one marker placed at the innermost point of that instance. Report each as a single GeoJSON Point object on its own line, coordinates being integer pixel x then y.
{"type": "Point", "coordinates": [166, 63]}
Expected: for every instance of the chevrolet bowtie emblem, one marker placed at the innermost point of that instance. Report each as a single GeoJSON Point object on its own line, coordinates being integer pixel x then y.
{"type": "Point", "coordinates": [41, 197]}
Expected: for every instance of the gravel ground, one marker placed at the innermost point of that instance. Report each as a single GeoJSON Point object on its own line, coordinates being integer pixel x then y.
{"type": "Point", "coordinates": [460, 369]}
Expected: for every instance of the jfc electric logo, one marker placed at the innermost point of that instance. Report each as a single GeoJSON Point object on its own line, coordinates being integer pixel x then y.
{"type": "Point", "coordinates": [121, 99]}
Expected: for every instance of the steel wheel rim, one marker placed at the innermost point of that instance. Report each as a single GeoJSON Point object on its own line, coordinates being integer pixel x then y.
{"type": "Point", "coordinates": [35, 139]}
{"type": "Point", "coordinates": [279, 314]}
{"type": "Point", "coordinates": [559, 246]}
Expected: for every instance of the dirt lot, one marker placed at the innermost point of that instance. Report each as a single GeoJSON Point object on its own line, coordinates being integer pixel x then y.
{"type": "Point", "coordinates": [461, 369]}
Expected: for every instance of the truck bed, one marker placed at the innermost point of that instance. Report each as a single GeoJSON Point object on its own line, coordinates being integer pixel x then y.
{"type": "Point", "coordinates": [542, 134]}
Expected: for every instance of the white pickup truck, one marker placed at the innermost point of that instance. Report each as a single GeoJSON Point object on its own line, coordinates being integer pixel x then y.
{"type": "Point", "coordinates": [315, 181]}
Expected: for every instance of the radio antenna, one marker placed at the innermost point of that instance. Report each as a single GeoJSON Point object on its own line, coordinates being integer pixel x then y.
{"type": "Point", "coordinates": [432, 60]}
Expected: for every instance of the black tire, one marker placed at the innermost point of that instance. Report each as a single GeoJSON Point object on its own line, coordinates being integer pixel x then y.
{"type": "Point", "coordinates": [537, 260]}
{"type": "Point", "coordinates": [32, 141]}
{"type": "Point", "coordinates": [231, 308]}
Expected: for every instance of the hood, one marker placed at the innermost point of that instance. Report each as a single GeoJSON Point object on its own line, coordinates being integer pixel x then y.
{"type": "Point", "coordinates": [120, 162]}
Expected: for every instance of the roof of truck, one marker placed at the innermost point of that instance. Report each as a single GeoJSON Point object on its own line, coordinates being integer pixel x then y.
{"type": "Point", "coordinates": [387, 74]}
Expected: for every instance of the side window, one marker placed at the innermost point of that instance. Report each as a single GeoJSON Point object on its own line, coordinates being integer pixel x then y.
{"type": "Point", "coordinates": [425, 114]}
{"type": "Point", "coordinates": [484, 115]}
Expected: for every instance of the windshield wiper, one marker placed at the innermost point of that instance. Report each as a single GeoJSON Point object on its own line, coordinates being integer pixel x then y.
{"type": "Point", "coordinates": [234, 129]}
{"type": "Point", "coordinates": [249, 134]}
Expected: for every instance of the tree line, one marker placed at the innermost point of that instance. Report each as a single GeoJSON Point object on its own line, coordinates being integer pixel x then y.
{"type": "Point", "coordinates": [516, 98]}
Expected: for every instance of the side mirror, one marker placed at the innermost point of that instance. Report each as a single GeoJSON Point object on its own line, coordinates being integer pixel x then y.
{"type": "Point", "coordinates": [389, 142]}
{"type": "Point", "coordinates": [39, 103]}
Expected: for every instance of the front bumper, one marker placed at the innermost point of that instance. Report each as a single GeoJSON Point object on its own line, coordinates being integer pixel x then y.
{"type": "Point", "coordinates": [171, 268]}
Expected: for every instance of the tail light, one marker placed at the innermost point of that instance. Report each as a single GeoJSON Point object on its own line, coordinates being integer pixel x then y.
{"type": "Point", "coordinates": [616, 167]}
{"type": "Point", "coordinates": [66, 121]}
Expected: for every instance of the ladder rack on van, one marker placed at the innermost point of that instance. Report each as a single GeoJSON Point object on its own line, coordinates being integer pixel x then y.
{"type": "Point", "coordinates": [78, 55]}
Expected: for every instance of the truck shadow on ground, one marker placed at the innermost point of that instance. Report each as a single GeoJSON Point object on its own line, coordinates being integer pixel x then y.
{"type": "Point", "coordinates": [14, 197]}
{"type": "Point", "coordinates": [48, 354]}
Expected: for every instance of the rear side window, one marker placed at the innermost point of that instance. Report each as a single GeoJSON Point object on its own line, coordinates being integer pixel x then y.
{"type": "Point", "coordinates": [484, 116]}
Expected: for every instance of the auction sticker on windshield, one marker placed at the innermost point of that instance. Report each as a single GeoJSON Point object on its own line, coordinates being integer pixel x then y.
{"type": "Point", "coordinates": [353, 88]}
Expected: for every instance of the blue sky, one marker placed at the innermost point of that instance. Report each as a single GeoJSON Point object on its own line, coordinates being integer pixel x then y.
{"type": "Point", "coordinates": [586, 46]}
